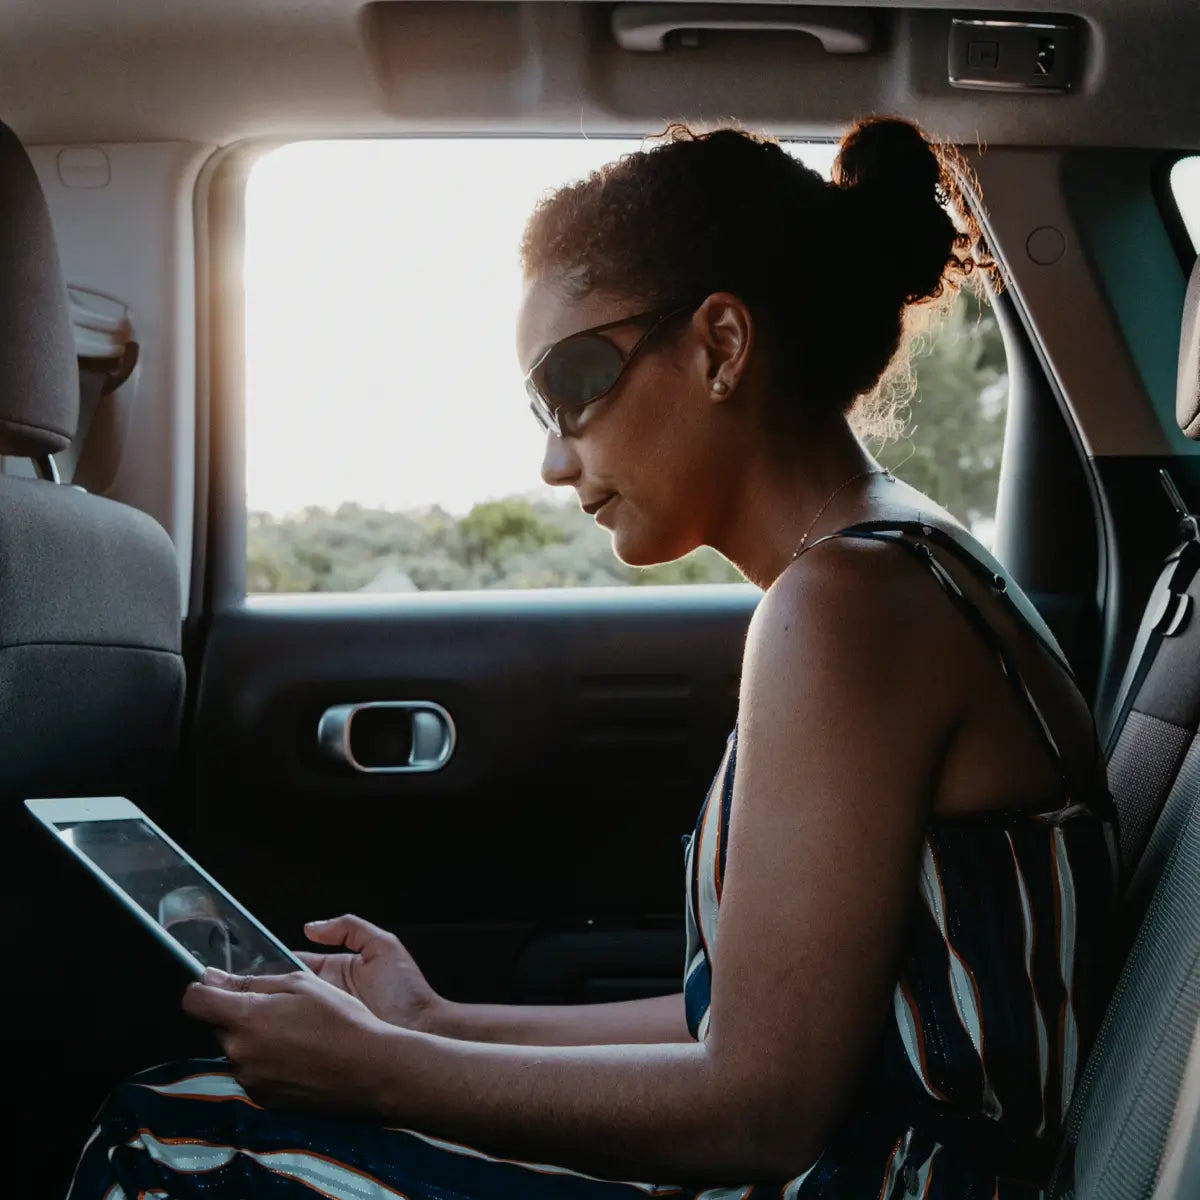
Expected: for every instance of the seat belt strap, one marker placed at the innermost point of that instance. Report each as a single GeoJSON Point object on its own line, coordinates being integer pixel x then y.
{"type": "Point", "coordinates": [98, 378]}
{"type": "Point", "coordinates": [1168, 612]}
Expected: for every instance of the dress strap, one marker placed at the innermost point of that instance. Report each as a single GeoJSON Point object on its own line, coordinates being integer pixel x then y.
{"type": "Point", "coordinates": [962, 547]}
{"type": "Point", "coordinates": [918, 539]}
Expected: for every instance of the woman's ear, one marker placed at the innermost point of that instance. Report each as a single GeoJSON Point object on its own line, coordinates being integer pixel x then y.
{"type": "Point", "coordinates": [726, 328]}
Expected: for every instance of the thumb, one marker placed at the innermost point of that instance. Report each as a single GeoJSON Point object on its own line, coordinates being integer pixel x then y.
{"type": "Point", "coordinates": [350, 931]}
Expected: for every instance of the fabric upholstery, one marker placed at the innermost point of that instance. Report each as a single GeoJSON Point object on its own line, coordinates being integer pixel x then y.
{"type": "Point", "coordinates": [1159, 707]}
{"type": "Point", "coordinates": [91, 675]}
{"type": "Point", "coordinates": [1141, 771]}
{"type": "Point", "coordinates": [1122, 1109]}
{"type": "Point", "coordinates": [39, 383]}
{"type": "Point", "coordinates": [1180, 1175]}
{"type": "Point", "coordinates": [1187, 394]}
{"type": "Point", "coordinates": [91, 697]}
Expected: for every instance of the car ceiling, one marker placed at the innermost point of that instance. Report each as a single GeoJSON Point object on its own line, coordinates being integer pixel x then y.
{"type": "Point", "coordinates": [218, 72]}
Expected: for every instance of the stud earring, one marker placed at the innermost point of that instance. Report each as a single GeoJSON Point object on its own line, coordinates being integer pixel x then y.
{"type": "Point", "coordinates": [719, 387]}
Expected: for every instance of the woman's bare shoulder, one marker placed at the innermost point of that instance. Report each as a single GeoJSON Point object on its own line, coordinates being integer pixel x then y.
{"type": "Point", "coordinates": [857, 628]}
{"type": "Point", "coordinates": [846, 584]}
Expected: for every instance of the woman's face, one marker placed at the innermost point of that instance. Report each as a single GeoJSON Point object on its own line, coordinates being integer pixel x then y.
{"type": "Point", "coordinates": [646, 458]}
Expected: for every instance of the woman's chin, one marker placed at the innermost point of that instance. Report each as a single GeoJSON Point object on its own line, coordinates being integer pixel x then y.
{"type": "Point", "coordinates": [636, 549]}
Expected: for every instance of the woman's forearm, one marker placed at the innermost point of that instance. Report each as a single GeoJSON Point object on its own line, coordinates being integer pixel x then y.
{"type": "Point", "coordinates": [663, 1113]}
{"type": "Point", "coordinates": [623, 1022]}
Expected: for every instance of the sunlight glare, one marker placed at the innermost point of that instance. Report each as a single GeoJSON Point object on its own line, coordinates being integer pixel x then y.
{"type": "Point", "coordinates": [382, 284]}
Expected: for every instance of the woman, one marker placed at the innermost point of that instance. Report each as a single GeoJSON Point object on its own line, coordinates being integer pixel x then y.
{"type": "Point", "coordinates": [906, 853]}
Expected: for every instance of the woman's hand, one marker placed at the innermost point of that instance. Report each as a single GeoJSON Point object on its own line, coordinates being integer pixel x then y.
{"type": "Point", "coordinates": [293, 1040]}
{"type": "Point", "coordinates": [378, 971]}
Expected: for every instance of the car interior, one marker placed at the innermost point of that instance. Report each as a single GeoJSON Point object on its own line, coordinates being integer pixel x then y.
{"type": "Point", "coordinates": [493, 726]}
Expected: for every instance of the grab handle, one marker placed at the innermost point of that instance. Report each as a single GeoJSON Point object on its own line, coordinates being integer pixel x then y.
{"type": "Point", "coordinates": [644, 27]}
{"type": "Point", "coordinates": [387, 737]}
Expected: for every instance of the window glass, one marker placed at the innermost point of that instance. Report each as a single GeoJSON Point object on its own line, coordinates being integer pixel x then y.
{"type": "Point", "coordinates": [1185, 186]}
{"type": "Point", "coordinates": [389, 443]}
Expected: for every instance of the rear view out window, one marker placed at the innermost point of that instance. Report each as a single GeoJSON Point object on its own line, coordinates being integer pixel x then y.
{"type": "Point", "coordinates": [1185, 186]}
{"type": "Point", "coordinates": [389, 443]}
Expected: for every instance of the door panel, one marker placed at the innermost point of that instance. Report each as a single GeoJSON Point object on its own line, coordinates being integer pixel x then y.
{"type": "Point", "coordinates": [543, 863]}
{"type": "Point", "coordinates": [544, 860]}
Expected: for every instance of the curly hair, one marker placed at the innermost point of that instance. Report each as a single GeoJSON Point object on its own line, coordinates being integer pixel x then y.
{"type": "Point", "coordinates": [833, 272]}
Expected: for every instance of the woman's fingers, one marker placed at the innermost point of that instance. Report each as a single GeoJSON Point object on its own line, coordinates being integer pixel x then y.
{"type": "Point", "coordinates": [350, 931]}
{"type": "Point", "coordinates": [223, 1000]}
{"type": "Point", "coordinates": [264, 984]}
{"type": "Point", "coordinates": [214, 1006]}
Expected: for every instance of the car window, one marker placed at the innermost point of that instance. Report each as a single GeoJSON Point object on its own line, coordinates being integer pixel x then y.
{"type": "Point", "coordinates": [389, 443]}
{"type": "Point", "coordinates": [1185, 187]}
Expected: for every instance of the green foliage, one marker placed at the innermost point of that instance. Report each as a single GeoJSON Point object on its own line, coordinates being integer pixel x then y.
{"type": "Point", "coordinates": [951, 452]}
{"type": "Point", "coordinates": [499, 530]}
{"type": "Point", "coordinates": [509, 543]}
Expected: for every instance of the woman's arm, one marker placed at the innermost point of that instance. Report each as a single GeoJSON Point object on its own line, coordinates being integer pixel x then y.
{"type": "Point", "coordinates": [622, 1022]}
{"type": "Point", "coordinates": [844, 720]}
{"type": "Point", "coordinates": [373, 965]}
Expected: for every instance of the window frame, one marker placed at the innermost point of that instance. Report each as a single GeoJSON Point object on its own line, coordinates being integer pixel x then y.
{"type": "Point", "coordinates": [219, 567]}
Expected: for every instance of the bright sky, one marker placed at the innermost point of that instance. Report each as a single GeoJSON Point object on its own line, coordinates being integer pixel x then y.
{"type": "Point", "coordinates": [381, 291]}
{"type": "Point", "coordinates": [382, 286]}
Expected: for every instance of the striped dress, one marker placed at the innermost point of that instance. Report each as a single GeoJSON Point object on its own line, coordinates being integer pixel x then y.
{"type": "Point", "coordinates": [998, 994]}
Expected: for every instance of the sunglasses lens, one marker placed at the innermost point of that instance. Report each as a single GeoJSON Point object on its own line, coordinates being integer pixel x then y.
{"type": "Point", "coordinates": [542, 413]}
{"type": "Point", "coordinates": [580, 369]}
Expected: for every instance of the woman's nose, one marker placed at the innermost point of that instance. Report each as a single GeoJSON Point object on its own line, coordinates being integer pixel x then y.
{"type": "Point", "coordinates": [560, 464]}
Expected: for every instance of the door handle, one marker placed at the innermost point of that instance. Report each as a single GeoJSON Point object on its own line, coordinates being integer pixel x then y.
{"type": "Point", "coordinates": [387, 737]}
{"type": "Point", "coordinates": [645, 27]}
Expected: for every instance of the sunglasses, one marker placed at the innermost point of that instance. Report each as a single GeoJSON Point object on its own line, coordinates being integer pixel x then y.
{"type": "Point", "coordinates": [584, 367]}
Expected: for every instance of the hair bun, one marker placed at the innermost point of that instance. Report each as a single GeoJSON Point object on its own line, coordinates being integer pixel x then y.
{"type": "Point", "coordinates": [888, 153]}
{"type": "Point", "coordinates": [898, 183]}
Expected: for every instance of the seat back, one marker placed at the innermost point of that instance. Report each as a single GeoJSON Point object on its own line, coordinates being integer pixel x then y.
{"type": "Point", "coordinates": [1120, 1117]}
{"type": "Point", "coordinates": [1159, 711]}
{"type": "Point", "coordinates": [91, 675]}
{"type": "Point", "coordinates": [1158, 708]}
{"type": "Point", "coordinates": [1179, 1178]}
{"type": "Point", "coordinates": [1121, 1112]}
{"type": "Point", "coordinates": [91, 695]}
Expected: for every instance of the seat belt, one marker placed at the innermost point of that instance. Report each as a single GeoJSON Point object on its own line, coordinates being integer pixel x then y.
{"type": "Point", "coordinates": [1168, 610]}
{"type": "Point", "coordinates": [107, 356]}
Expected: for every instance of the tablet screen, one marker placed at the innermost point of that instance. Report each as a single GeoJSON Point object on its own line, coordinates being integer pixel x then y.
{"type": "Point", "coordinates": [155, 877]}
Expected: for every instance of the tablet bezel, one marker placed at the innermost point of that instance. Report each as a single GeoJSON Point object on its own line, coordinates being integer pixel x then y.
{"type": "Point", "coordinates": [65, 810]}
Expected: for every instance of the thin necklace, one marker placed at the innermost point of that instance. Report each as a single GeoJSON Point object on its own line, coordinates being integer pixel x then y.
{"type": "Point", "coordinates": [832, 496]}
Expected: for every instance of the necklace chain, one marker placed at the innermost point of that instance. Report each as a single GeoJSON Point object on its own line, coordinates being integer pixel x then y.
{"type": "Point", "coordinates": [833, 496]}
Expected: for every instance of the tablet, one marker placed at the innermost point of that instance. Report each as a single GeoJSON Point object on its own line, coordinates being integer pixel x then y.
{"type": "Point", "coordinates": [170, 894]}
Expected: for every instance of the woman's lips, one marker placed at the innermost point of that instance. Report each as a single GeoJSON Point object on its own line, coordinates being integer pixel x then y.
{"type": "Point", "coordinates": [605, 511]}
{"type": "Point", "coordinates": [594, 508]}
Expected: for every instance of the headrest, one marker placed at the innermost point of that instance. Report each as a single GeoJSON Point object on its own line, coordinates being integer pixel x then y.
{"type": "Point", "coordinates": [1187, 388]}
{"type": "Point", "coordinates": [39, 378]}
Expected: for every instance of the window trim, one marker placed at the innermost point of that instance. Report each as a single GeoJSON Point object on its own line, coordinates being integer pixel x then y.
{"type": "Point", "coordinates": [219, 541]}
{"type": "Point", "coordinates": [219, 546]}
